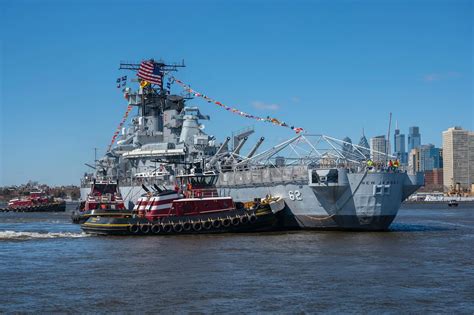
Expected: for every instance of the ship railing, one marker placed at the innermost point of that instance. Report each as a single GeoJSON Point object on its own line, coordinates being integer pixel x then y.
{"type": "Point", "coordinates": [145, 181]}
{"type": "Point", "coordinates": [296, 173]}
{"type": "Point", "coordinates": [203, 193]}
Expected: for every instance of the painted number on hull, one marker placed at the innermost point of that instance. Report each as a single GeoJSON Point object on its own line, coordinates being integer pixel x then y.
{"type": "Point", "coordinates": [294, 195]}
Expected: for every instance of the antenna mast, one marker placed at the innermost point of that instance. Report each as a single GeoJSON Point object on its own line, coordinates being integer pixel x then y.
{"type": "Point", "coordinates": [388, 137]}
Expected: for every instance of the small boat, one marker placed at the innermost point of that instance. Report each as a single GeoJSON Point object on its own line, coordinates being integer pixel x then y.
{"type": "Point", "coordinates": [103, 200]}
{"type": "Point", "coordinates": [194, 207]}
{"type": "Point", "coordinates": [36, 201]}
{"type": "Point", "coordinates": [453, 203]}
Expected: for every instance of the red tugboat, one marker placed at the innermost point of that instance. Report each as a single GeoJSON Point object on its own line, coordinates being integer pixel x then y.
{"type": "Point", "coordinates": [193, 208]}
{"type": "Point", "coordinates": [36, 201]}
{"type": "Point", "coordinates": [103, 200]}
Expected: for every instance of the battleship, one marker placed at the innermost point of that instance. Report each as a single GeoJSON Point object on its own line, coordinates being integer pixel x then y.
{"type": "Point", "coordinates": [325, 182]}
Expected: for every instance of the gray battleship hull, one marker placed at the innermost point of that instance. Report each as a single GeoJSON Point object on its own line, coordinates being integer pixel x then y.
{"type": "Point", "coordinates": [365, 202]}
{"type": "Point", "coordinates": [358, 201]}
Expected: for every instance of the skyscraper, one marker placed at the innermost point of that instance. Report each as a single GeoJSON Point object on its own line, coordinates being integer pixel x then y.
{"type": "Point", "coordinates": [399, 146]}
{"type": "Point", "coordinates": [458, 158]}
{"type": "Point", "coordinates": [429, 157]}
{"type": "Point", "coordinates": [425, 158]}
{"type": "Point", "coordinates": [414, 138]}
{"type": "Point", "coordinates": [365, 146]}
{"type": "Point", "coordinates": [379, 146]}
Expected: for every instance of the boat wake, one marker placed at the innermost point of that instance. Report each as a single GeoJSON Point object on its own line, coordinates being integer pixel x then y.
{"type": "Point", "coordinates": [23, 236]}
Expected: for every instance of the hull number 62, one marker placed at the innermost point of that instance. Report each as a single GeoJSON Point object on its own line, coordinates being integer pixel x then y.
{"type": "Point", "coordinates": [294, 195]}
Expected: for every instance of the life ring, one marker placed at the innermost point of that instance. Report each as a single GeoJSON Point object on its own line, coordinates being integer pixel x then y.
{"type": "Point", "coordinates": [134, 228]}
{"type": "Point", "coordinates": [145, 228]}
{"type": "Point", "coordinates": [156, 228]}
{"type": "Point", "coordinates": [216, 223]}
{"type": "Point", "coordinates": [225, 222]}
{"type": "Point", "coordinates": [178, 227]}
{"type": "Point", "coordinates": [197, 226]}
{"type": "Point", "coordinates": [187, 226]}
{"type": "Point", "coordinates": [252, 218]}
{"type": "Point", "coordinates": [244, 219]}
{"type": "Point", "coordinates": [167, 227]}
{"type": "Point", "coordinates": [207, 224]}
{"type": "Point", "coordinates": [235, 221]}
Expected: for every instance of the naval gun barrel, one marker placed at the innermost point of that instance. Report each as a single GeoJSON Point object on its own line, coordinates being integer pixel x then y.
{"type": "Point", "coordinates": [158, 189]}
{"type": "Point", "coordinates": [255, 148]}
{"type": "Point", "coordinates": [223, 146]}
{"type": "Point", "coordinates": [219, 151]}
{"type": "Point", "coordinates": [145, 188]}
{"type": "Point", "coordinates": [239, 146]}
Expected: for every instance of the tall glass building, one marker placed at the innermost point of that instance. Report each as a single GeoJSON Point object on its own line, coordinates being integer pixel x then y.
{"type": "Point", "coordinates": [399, 147]}
{"type": "Point", "coordinates": [430, 157]}
{"type": "Point", "coordinates": [414, 138]}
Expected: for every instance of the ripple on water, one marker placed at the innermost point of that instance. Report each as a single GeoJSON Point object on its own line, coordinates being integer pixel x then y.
{"type": "Point", "coordinates": [25, 236]}
{"type": "Point", "coordinates": [403, 227]}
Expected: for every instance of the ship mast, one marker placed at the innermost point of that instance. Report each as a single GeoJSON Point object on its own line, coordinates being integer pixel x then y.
{"type": "Point", "coordinates": [164, 67]}
{"type": "Point", "coordinates": [152, 93]}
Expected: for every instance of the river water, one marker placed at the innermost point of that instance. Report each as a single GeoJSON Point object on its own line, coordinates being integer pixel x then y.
{"type": "Point", "coordinates": [423, 264]}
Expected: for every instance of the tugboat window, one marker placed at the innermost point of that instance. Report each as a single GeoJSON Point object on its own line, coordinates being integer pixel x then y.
{"type": "Point", "coordinates": [203, 181]}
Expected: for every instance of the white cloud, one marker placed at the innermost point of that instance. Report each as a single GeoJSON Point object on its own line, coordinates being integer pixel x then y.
{"type": "Point", "coordinates": [431, 77]}
{"type": "Point", "coordinates": [265, 106]}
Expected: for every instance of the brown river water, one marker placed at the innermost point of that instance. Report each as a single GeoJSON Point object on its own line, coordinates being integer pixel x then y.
{"type": "Point", "coordinates": [424, 264]}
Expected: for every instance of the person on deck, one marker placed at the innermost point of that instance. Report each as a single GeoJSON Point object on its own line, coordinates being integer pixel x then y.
{"type": "Point", "coordinates": [370, 164]}
{"type": "Point", "coordinates": [390, 165]}
{"type": "Point", "coordinates": [396, 165]}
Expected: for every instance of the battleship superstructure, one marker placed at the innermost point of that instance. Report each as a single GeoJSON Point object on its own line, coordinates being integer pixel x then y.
{"type": "Point", "coordinates": [324, 182]}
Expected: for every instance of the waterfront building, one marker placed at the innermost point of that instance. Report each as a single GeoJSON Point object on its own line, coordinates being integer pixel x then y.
{"type": "Point", "coordinates": [430, 157]}
{"type": "Point", "coordinates": [434, 180]}
{"type": "Point", "coordinates": [458, 158]}
{"type": "Point", "coordinates": [414, 138]}
{"type": "Point", "coordinates": [379, 146]}
{"type": "Point", "coordinates": [425, 158]}
{"type": "Point", "coordinates": [413, 161]}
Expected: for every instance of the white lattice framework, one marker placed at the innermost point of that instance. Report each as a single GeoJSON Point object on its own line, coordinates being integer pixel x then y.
{"type": "Point", "coordinates": [306, 149]}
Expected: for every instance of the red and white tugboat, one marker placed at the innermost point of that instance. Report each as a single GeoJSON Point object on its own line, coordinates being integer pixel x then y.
{"type": "Point", "coordinates": [36, 201]}
{"type": "Point", "coordinates": [104, 200]}
{"type": "Point", "coordinates": [194, 207]}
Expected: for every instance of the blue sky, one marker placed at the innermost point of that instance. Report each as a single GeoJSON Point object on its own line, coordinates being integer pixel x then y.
{"type": "Point", "coordinates": [331, 67]}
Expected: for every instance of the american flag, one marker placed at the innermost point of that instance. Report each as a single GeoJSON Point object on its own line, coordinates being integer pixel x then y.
{"type": "Point", "coordinates": [149, 72]}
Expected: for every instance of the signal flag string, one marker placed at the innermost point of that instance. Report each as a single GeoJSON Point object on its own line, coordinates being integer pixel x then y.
{"type": "Point", "coordinates": [116, 133]}
{"type": "Point", "coordinates": [236, 111]}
